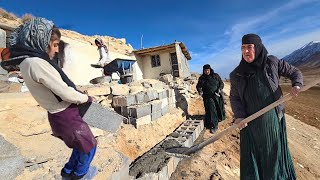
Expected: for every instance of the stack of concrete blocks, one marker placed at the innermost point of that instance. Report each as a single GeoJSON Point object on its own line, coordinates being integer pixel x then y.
{"type": "Point", "coordinates": [188, 132]}
{"type": "Point", "coordinates": [171, 98]}
{"type": "Point", "coordinates": [146, 106]}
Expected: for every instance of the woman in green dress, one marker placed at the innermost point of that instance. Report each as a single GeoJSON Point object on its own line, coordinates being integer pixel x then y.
{"type": "Point", "coordinates": [210, 86]}
{"type": "Point", "coordinates": [264, 152]}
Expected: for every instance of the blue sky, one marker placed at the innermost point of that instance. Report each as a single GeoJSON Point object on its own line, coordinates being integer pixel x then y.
{"type": "Point", "coordinates": [211, 30]}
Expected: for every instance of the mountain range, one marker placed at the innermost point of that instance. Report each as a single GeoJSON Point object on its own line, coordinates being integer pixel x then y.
{"type": "Point", "coordinates": [308, 56]}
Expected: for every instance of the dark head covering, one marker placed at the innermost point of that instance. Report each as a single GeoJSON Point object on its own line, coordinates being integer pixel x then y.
{"type": "Point", "coordinates": [251, 39]}
{"type": "Point", "coordinates": [34, 34]}
{"type": "Point", "coordinates": [206, 66]}
{"type": "Point", "coordinates": [99, 40]}
{"type": "Point", "coordinates": [261, 54]}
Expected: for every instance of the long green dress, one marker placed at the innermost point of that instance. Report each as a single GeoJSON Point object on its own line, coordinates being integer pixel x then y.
{"type": "Point", "coordinates": [264, 152]}
{"type": "Point", "coordinates": [211, 117]}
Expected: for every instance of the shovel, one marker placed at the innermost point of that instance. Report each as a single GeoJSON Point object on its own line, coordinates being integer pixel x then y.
{"type": "Point", "coordinates": [180, 151]}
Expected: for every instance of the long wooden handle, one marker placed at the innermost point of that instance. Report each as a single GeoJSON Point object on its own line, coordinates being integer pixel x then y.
{"type": "Point", "coordinates": [215, 137]}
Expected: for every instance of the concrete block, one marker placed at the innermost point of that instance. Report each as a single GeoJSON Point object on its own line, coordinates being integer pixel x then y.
{"type": "Point", "coordinates": [120, 89]}
{"type": "Point", "coordinates": [170, 92]}
{"type": "Point", "coordinates": [180, 131]}
{"type": "Point", "coordinates": [156, 85]}
{"type": "Point", "coordinates": [142, 121]}
{"type": "Point", "coordinates": [185, 141]}
{"type": "Point", "coordinates": [136, 89]}
{"type": "Point", "coordinates": [195, 128]}
{"type": "Point", "coordinates": [138, 111]}
{"type": "Point", "coordinates": [199, 125]}
{"type": "Point", "coordinates": [156, 105]}
{"type": "Point", "coordinates": [192, 135]}
{"type": "Point", "coordinates": [182, 128]}
{"type": "Point", "coordinates": [164, 102]}
{"type": "Point", "coordinates": [98, 90]}
{"type": "Point", "coordinates": [162, 94]}
{"type": "Point", "coordinates": [200, 122]}
{"type": "Point", "coordinates": [100, 117]}
{"type": "Point", "coordinates": [163, 173]}
{"type": "Point", "coordinates": [155, 115]}
{"type": "Point", "coordinates": [164, 110]}
{"type": "Point", "coordinates": [119, 101]}
{"type": "Point", "coordinates": [151, 95]}
{"type": "Point", "coordinates": [124, 111]}
{"type": "Point", "coordinates": [140, 97]}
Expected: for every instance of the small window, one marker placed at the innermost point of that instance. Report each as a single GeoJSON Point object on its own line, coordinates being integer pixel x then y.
{"type": "Point", "coordinates": [155, 61]}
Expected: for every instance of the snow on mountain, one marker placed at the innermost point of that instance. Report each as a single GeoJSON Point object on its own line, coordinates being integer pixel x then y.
{"type": "Point", "coordinates": [307, 55]}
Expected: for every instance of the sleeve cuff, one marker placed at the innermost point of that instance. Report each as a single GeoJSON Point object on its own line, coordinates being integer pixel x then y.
{"type": "Point", "coordinates": [89, 99]}
{"type": "Point", "coordinates": [296, 84]}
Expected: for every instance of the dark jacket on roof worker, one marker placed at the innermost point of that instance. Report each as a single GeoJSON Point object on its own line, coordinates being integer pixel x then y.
{"type": "Point", "coordinates": [54, 91]}
{"type": "Point", "coordinates": [264, 152]}
{"type": "Point", "coordinates": [210, 86]}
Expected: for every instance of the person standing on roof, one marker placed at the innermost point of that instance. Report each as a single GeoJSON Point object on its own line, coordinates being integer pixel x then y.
{"type": "Point", "coordinates": [103, 51]}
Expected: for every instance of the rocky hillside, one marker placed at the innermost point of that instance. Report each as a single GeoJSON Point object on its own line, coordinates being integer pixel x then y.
{"type": "Point", "coordinates": [81, 50]}
{"type": "Point", "coordinates": [115, 45]}
{"type": "Point", "coordinates": [306, 56]}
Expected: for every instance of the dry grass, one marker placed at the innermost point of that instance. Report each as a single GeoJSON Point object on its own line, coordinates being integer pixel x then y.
{"type": "Point", "coordinates": [7, 15]}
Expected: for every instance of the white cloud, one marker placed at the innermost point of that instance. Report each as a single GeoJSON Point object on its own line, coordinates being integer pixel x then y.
{"type": "Point", "coordinates": [285, 46]}
{"type": "Point", "coordinates": [280, 36]}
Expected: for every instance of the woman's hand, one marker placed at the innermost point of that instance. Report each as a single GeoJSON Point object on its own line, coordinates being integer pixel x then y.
{"type": "Point", "coordinates": [238, 120]}
{"type": "Point", "coordinates": [295, 90]}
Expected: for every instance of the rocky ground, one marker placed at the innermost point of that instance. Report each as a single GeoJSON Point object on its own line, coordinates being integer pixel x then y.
{"type": "Point", "coordinates": [24, 124]}
{"type": "Point", "coordinates": [221, 159]}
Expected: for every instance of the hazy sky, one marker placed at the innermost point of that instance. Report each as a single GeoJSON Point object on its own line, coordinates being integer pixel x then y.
{"type": "Point", "coordinates": [211, 30]}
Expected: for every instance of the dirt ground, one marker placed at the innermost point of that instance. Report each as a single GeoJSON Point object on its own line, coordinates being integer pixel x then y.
{"type": "Point", "coordinates": [305, 107]}
{"type": "Point", "coordinates": [24, 124]}
{"type": "Point", "coordinates": [221, 160]}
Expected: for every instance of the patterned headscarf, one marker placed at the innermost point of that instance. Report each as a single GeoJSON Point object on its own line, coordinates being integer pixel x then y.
{"type": "Point", "coordinates": [99, 40]}
{"type": "Point", "coordinates": [34, 34]}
